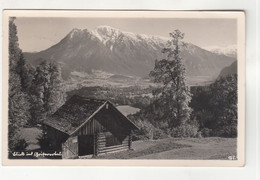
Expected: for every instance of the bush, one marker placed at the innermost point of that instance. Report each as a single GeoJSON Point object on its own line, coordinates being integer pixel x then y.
{"type": "Point", "coordinates": [141, 134]}
{"type": "Point", "coordinates": [206, 132]}
{"type": "Point", "coordinates": [228, 131]}
{"type": "Point", "coordinates": [185, 130]}
{"type": "Point", "coordinates": [146, 128]}
{"type": "Point", "coordinates": [159, 134]}
{"type": "Point", "coordinates": [15, 143]}
{"type": "Point", "coordinates": [199, 135]}
{"type": "Point", "coordinates": [43, 140]}
{"type": "Point", "coordinates": [20, 145]}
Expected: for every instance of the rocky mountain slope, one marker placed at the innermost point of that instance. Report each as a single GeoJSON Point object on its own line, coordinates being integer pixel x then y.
{"type": "Point", "coordinates": [232, 69]}
{"type": "Point", "coordinates": [123, 53]}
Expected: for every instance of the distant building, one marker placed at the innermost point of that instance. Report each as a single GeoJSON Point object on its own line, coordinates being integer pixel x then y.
{"type": "Point", "coordinates": [85, 126]}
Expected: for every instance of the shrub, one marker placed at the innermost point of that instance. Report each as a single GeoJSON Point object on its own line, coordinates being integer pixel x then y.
{"type": "Point", "coordinates": [141, 134]}
{"type": "Point", "coordinates": [43, 140]}
{"type": "Point", "coordinates": [206, 132]}
{"type": "Point", "coordinates": [159, 134]}
{"type": "Point", "coordinates": [16, 143]}
{"type": "Point", "coordinates": [185, 130]}
{"type": "Point", "coordinates": [20, 145]}
{"type": "Point", "coordinates": [228, 131]}
{"type": "Point", "coordinates": [145, 132]}
{"type": "Point", "coordinates": [199, 135]}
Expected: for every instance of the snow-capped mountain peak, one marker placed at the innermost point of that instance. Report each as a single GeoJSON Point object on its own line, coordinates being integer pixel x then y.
{"type": "Point", "coordinates": [106, 33]}
{"type": "Point", "coordinates": [230, 50]}
{"type": "Point", "coordinates": [74, 31]}
{"type": "Point", "coordinates": [113, 35]}
{"type": "Point", "coordinates": [114, 51]}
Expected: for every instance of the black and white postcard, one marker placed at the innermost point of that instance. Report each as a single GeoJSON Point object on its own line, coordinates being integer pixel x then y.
{"type": "Point", "coordinates": [131, 88]}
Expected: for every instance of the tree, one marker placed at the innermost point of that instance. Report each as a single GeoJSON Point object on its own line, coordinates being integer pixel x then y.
{"type": "Point", "coordinates": [224, 103]}
{"type": "Point", "coordinates": [47, 91]}
{"type": "Point", "coordinates": [202, 108]}
{"type": "Point", "coordinates": [215, 107]}
{"type": "Point", "coordinates": [172, 93]}
{"type": "Point", "coordinates": [56, 94]}
{"type": "Point", "coordinates": [14, 50]}
{"type": "Point", "coordinates": [25, 72]}
{"type": "Point", "coordinates": [18, 105]}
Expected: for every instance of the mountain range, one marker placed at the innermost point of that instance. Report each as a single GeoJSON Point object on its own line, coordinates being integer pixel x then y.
{"type": "Point", "coordinates": [117, 52]}
{"type": "Point", "coordinates": [230, 50]}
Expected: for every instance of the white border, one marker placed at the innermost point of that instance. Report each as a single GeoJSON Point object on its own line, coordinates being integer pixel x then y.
{"type": "Point", "coordinates": [250, 171]}
{"type": "Point", "coordinates": [239, 16]}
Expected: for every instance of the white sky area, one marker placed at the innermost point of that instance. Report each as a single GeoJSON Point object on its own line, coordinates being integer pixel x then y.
{"type": "Point", "coordinates": [36, 34]}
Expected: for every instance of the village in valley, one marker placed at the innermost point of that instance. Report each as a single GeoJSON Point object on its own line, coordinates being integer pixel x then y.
{"type": "Point", "coordinates": [110, 94]}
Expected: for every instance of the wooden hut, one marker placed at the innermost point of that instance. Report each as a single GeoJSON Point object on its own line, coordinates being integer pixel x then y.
{"type": "Point", "coordinates": [84, 126]}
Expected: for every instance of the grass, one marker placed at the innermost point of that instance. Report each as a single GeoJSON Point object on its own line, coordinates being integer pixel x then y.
{"type": "Point", "coordinates": [171, 148]}
{"type": "Point", "coordinates": [160, 146]}
{"type": "Point", "coordinates": [178, 148]}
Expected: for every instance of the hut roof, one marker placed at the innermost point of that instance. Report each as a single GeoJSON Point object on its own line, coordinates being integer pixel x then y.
{"type": "Point", "coordinates": [75, 112]}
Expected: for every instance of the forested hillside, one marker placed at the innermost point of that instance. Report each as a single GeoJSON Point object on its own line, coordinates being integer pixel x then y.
{"type": "Point", "coordinates": [34, 92]}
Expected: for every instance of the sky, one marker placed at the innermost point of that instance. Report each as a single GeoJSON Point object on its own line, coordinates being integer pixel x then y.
{"type": "Point", "coordinates": [36, 34]}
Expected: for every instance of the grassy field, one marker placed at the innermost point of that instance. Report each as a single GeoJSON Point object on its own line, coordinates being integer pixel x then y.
{"type": "Point", "coordinates": [171, 148]}
{"type": "Point", "coordinates": [176, 148]}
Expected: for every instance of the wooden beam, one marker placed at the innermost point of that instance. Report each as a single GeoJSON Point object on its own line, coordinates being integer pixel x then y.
{"type": "Point", "coordinates": [130, 140]}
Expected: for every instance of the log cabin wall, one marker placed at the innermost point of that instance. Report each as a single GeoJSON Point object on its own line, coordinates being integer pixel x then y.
{"type": "Point", "coordinates": [111, 131]}
{"type": "Point", "coordinates": [101, 144]}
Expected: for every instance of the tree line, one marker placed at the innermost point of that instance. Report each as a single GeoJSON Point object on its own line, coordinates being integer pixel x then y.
{"type": "Point", "coordinates": [215, 107]}
{"type": "Point", "coordinates": [33, 92]}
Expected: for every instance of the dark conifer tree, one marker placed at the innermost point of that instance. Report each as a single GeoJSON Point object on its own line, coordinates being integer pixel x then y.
{"type": "Point", "coordinates": [172, 94]}
{"type": "Point", "coordinates": [18, 106]}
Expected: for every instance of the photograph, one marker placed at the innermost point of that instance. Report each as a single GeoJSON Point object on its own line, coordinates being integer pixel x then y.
{"type": "Point", "coordinates": [152, 88]}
